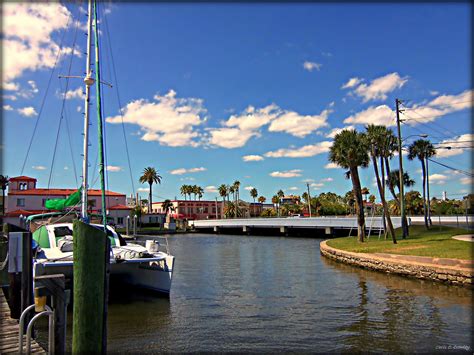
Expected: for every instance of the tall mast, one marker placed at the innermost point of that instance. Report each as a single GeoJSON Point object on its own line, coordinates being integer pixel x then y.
{"type": "Point", "coordinates": [88, 81]}
{"type": "Point", "coordinates": [99, 120]}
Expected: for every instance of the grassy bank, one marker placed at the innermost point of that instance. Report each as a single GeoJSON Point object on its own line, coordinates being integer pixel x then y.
{"type": "Point", "coordinates": [436, 242]}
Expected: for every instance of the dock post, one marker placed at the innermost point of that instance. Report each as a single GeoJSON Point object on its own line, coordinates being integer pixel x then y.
{"type": "Point", "coordinates": [90, 247]}
{"type": "Point", "coordinates": [328, 230]}
{"type": "Point", "coordinates": [284, 230]}
{"type": "Point", "coordinates": [216, 229]}
{"type": "Point", "coordinates": [246, 230]}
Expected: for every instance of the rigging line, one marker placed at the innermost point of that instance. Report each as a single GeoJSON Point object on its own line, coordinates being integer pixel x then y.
{"type": "Point", "coordinates": [106, 174]}
{"type": "Point", "coordinates": [118, 99]}
{"type": "Point", "coordinates": [452, 168]}
{"type": "Point", "coordinates": [43, 101]}
{"type": "Point", "coordinates": [69, 139]}
{"type": "Point", "coordinates": [63, 106]}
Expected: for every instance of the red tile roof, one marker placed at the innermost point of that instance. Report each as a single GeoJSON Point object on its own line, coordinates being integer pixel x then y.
{"type": "Point", "coordinates": [61, 192]}
{"type": "Point", "coordinates": [22, 178]}
{"type": "Point", "coordinates": [119, 207]}
{"type": "Point", "coordinates": [20, 212]}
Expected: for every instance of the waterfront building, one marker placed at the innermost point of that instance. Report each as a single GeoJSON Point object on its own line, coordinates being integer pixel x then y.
{"type": "Point", "coordinates": [25, 199]}
{"type": "Point", "coordinates": [189, 209]}
{"type": "Point", "coordinates": [290, 200]}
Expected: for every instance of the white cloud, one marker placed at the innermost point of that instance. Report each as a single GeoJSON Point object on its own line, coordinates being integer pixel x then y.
{"type": "Point", "coordinates": [10, 97]}
{"type": "Point", "coordinates": [439, 106]}
{"type": "Point", "coordinates": [27, 111]}
{"type": "Point", "coordinates": [252, 158]}
{"type": "Point", "coordinates": [248, 188]}
{"type": "Point", "coordinates": [211, 189]}
{"type": "Point", "coordinates": [308, 180]}
{"type": "Point", "coordinates": [380, 115]}
{"type": "Point", "coordinates": [310, 66]}
{"type": "Point", "coordinates": [74, 94]}
{"type": "Point", "coordinates": [11, 86]}
{"type": "Point", "coordinates": [182, 171]}
{"type": "Point", "coordinates": [299, 125]}
{"type": "Point", "coordinates": [66, 168]}
{"type": "Point", "coordinates": [466, 180]}
{"type": "Point", "coordinates": [457, 144]}
{"type": "Point", "coordinates": [302, 152]}
{"type": "Point", "coordinates": [316, 184]}
{"type": "Point", "coordinates": [238, 129]}
{"type": "Point", "coordinates": [28, 42]}
{"type": "Point", "coordinates": [292, 188]}
{"type": "Point", "coordinates": [378, 88]}
{"type": "Point", "coordinates": [113, 168]}
{"type": "Point", "coordinates": [143, 189]}
{"type": "Point", "coordinates": [434, 92]}
{"type": "Point", "coordinates": [351, 83]}
{"type": "Point", "coordinates": [335, 131]}
{"type": "Point", "coordinates": [286, 174]}
{"type": "Point", "coordinates": [437, 177]}
{"type": "Point", "coordinates": [331, 166]}
{"type": "Point", "coordinates": [168, 120]}
{"type": "Point", "coordinates": [329, 179]}
{"type": "Point", "coordinates": [7, 108]}
{"type": "Point", "coordinates": [38, 167]}
{"type": "Point", "coordinates": [187, 178]}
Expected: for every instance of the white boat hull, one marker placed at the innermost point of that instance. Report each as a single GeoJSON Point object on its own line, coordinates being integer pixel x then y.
{"type": "Point", "coordinates": [149, 273]}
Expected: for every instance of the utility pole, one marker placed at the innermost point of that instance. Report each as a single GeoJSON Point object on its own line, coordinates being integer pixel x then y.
{"type": "Point", "coordinates": [309, 200]}
{"type": "Point", "coordinates": [400, 159]}
{"type": "Point", "coordinates": [428, 193]}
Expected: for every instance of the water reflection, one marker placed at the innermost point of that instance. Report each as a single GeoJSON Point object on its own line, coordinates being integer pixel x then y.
{"type": "Point", "coordinates": [267, 294]}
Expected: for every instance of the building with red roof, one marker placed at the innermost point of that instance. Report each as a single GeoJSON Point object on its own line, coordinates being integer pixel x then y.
{"type": "Point", "coordinates": [25, 199]}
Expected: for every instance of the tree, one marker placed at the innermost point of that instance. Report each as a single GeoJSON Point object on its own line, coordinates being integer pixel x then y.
{"type": "Point", "coordinates": [365, 191]}
{"type": "Point", "coordinates": [275, 200]}
{"type": "Point", "coordinates": [349, 151]}
{"type": "Point", "coordinates": [200, 192]}
{"type": "Point", "coordinates": [422, 149]}
{"type": "Point", "coordinates": [262, 199]}
{"type": "Point", "coordinates": [167, 206]}
{"type": "Point", "coordinates": [4, 182]}
{"type": "Point", "coordinates": [376, 143]}
{"type": "Point", "coordinates": [394, 181]}
{"type": "Point", "coordinates": [151, 177]}
{"type": "Point", "coordinates": [372, 199]}
{"type": "Point", "coordinates": [184, 191]}
{"type": "Point", "coordinates": [237, 196]}
{"type": "Point", "coordinates": [254, 194]}
{"type": "Point", "coordinates": [223, 192]}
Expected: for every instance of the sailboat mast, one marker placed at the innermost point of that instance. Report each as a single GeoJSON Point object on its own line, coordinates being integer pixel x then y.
{"type": "Point", "coordinates": [100, 133]}
{"type": "Point", "coordinates": [88, 81]}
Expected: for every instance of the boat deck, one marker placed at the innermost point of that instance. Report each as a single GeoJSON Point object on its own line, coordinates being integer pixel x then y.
{"type": "Point", "coordinates": [10, 330]}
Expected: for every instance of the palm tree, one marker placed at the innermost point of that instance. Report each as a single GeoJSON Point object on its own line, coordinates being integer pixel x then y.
{"type": "Point", "coordinates": [150, 176]}
{"type": "Point", "coordinates": [184, 191]}
{"type": "Point", "coordinates": [262, 199]}
{"type": "Point", "coordinates": [254, 194]}
{"type": "Point", "coordinates": [237, 196]}
{"type": "Point", "coordinates": [200, 191]}
{"type": "Point", "coordinates": [394, 181]}
{"type": "Point", "coordinates": [4, 181]}
{"type": "Point", "coordinates": [275, 200]}
{"type": "Point", "coordinates": [365, 191]}
{"type": "Point", "coordinates": [376, 137]}
{"type": "Point", "coordinates": [189, 190]}
{"type": "Point", "coordinates": [349, 151]}
{"type": "Point", "coordinates": [223, 192]}
{"type": "Point", "coordinates": [166, 206]}
{"type": "Point", "coordinates": [422, 149]}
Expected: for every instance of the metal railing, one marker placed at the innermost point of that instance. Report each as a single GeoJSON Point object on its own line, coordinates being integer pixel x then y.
{"type": "Point", "coordinates": [29, 329]}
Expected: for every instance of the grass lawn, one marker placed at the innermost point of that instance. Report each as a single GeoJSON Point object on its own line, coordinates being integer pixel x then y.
{"type": "Point", "coordinates": [436, 242]}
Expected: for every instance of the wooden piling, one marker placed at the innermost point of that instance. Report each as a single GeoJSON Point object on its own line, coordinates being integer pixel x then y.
{"type": "Point", "coordinates": [89, 289]}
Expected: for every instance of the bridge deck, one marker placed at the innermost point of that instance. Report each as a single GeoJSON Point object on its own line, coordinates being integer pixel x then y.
{"type": "Point", "coordinates": [294, 222]}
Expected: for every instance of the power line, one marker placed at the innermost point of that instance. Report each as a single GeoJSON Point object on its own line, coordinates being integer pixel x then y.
{"type": "Point", "coordinates": [454, 169]}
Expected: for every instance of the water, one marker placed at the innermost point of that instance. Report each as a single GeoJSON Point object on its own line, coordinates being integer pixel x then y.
{"type": "Point", "coordinates": [268, 294]}
{"type": "Point", "coordinates": [241, 293]}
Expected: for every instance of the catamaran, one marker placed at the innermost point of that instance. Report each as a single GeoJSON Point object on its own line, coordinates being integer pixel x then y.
{"type": "Point", "coordinates": [141, 266]}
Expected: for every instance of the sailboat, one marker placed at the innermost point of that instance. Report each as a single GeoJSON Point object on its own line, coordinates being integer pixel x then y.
{"type": "Point", "coordinates": [140, 266]}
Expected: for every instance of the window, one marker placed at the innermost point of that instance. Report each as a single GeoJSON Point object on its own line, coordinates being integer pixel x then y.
{"type": "Point", "coordinates": [20, 202]}
{"type": "Point", "coordinates": [119, 220]}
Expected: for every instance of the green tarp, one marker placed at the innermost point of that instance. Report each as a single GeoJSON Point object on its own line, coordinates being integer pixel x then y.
{"type": "Point", "coordinates": [60, 204]}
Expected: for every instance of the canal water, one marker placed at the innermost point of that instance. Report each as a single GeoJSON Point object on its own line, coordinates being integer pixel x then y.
{"type": "Point", "coordinates": [268, 294]}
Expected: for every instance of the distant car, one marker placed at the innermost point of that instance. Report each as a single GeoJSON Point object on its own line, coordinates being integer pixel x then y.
{"type": "Point", "coordinates": [295, 216]}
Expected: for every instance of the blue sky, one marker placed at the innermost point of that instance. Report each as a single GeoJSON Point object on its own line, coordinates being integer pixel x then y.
{"type": "Point", "coordinates": [213, 93]}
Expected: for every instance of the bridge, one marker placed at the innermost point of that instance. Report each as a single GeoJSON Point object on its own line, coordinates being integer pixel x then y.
{"type": "Point", "coordinates": [284, 225]}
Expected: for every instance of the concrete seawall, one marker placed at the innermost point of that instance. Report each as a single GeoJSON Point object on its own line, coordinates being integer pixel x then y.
{"type": "Point", "coordinates": [450, 271]}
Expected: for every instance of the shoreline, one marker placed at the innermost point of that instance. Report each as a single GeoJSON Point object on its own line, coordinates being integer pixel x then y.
{"type": "Point", "coordinates": [449, 271]}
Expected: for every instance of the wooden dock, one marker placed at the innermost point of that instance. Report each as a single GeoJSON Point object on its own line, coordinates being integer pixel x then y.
{"type": "Point", "coordinates": [10, 330]}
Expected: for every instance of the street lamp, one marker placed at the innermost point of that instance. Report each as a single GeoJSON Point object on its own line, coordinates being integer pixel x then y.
{"type": "Point", "coordinates": [126, 226]}
{"type": "Point", "coordinates": [21, 221]}
{"type": "Point", "coordinates": [134, 225]}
